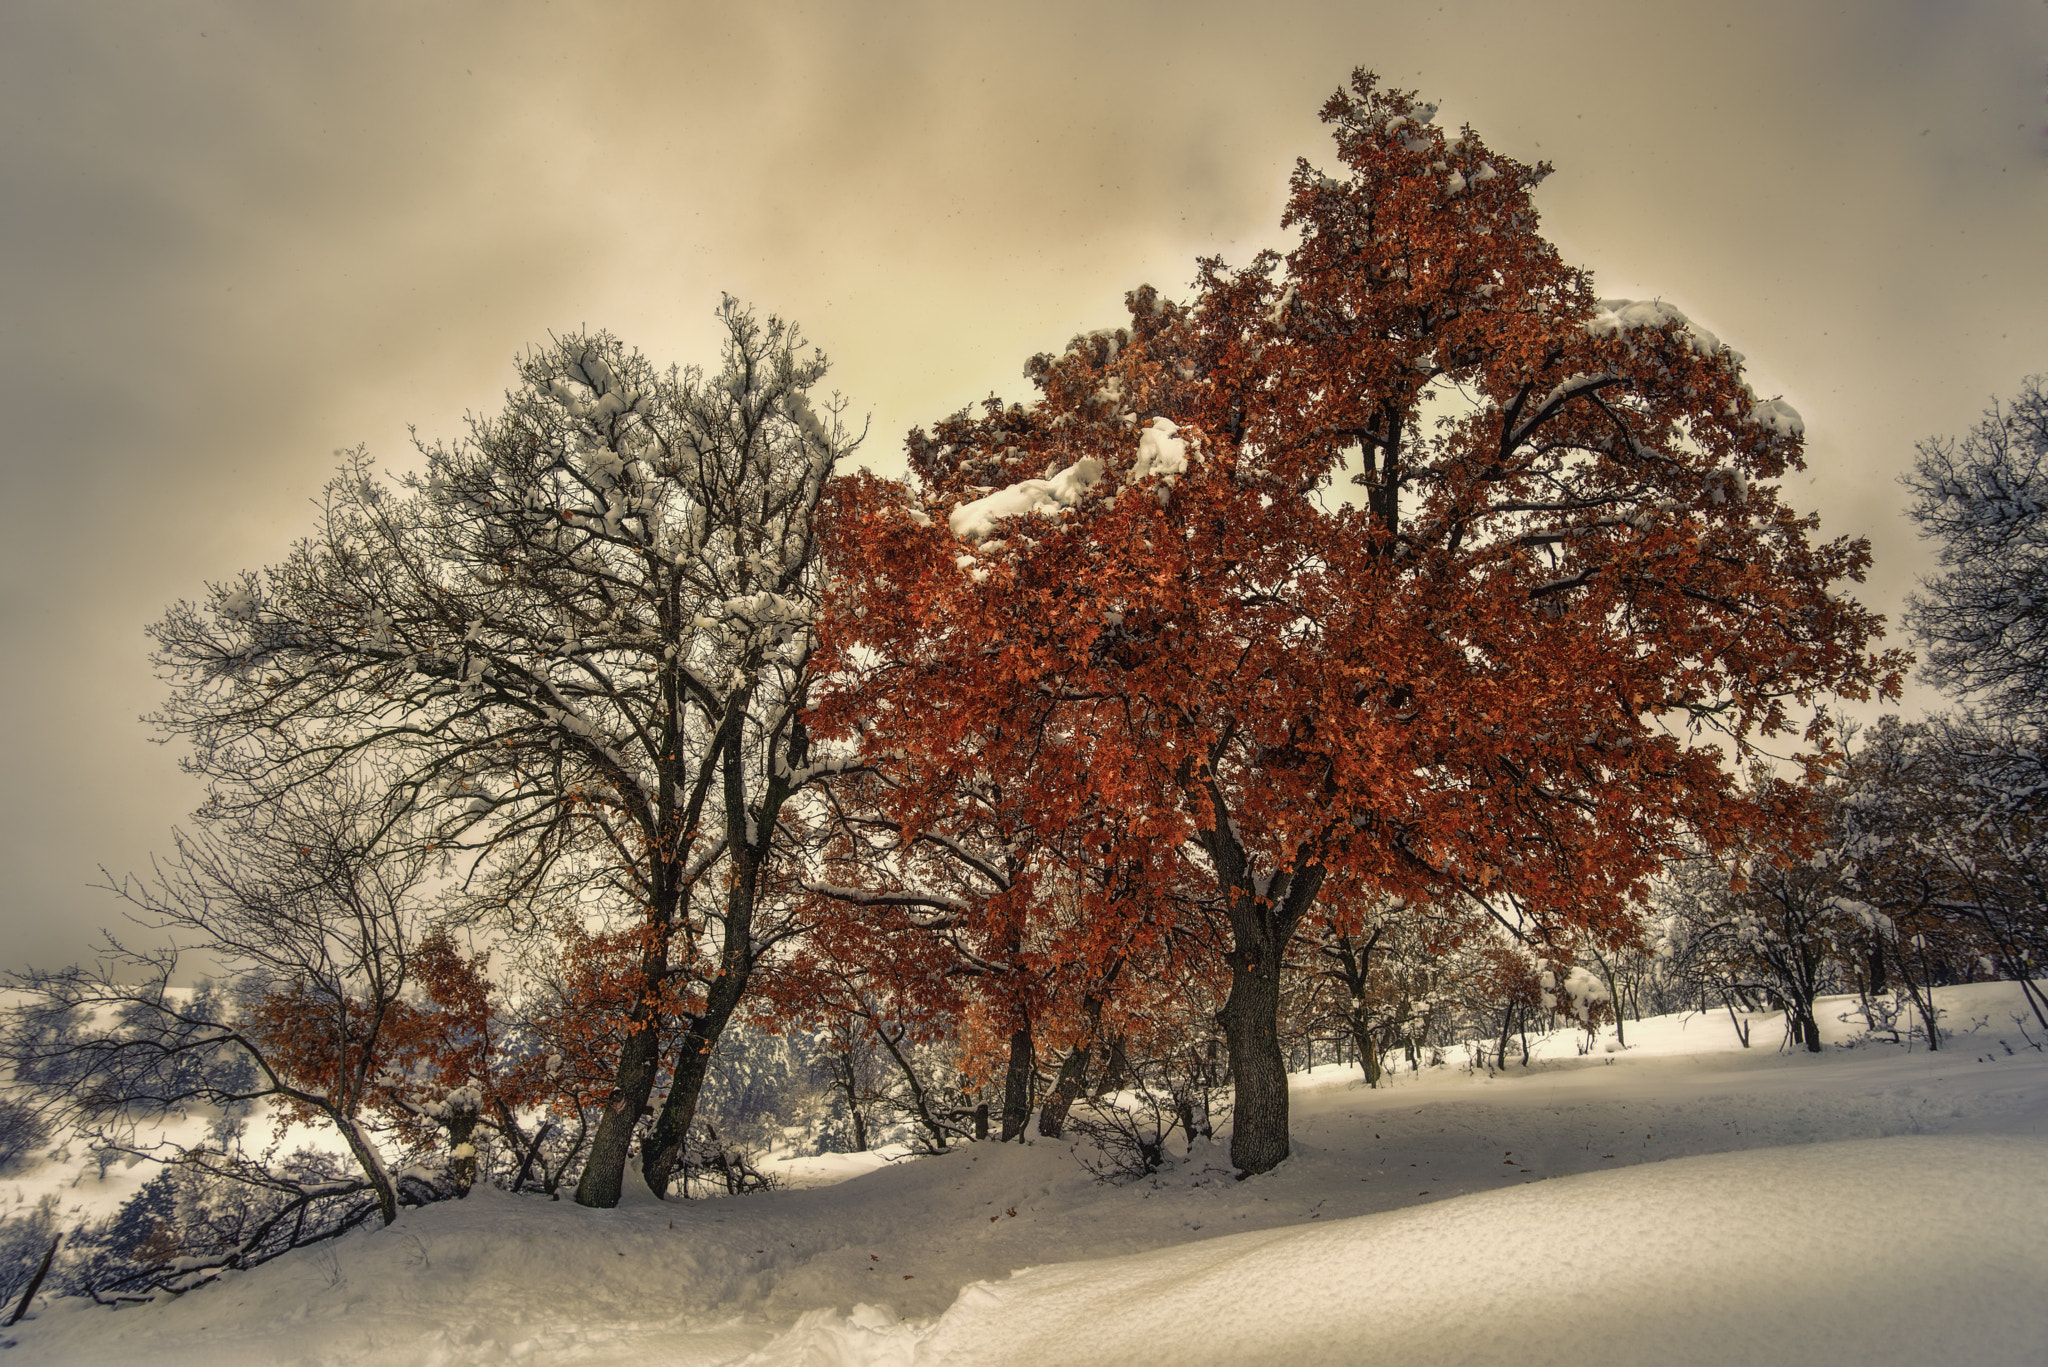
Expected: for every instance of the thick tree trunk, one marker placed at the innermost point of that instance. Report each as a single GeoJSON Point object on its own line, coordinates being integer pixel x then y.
{"type": "Point", "coordinates": [662, 1151]}
{"type": "Point", "coordinates": [1073, 1074]}
{"type": "Point", "coordinates": [1251, 1023]}
{"type": "Point", "coordinates": [1017, 1080]}
{"type": "Point", "coordinates": [604, 1172]}
{"type": "Point", "coordinates": [1262, 921]}
{"type": "Point", "coordinates": [664, 1148]}
{"type": "Point", "coordinates": [1263, 912]}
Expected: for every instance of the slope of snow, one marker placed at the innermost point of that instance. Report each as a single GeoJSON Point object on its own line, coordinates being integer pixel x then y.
{"type": "Point", "coordinates": [1682, 1201]}
{"type": "Point", "coordinates": [1749, 1257]}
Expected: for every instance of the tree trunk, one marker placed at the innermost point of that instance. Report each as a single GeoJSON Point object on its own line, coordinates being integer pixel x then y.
{"type": "Point", "coordinates": [528, 1151]}
{"type": "Point", "coordinates": [662, 1152]}
{"type": "Point", "coordinates": [1251, 1023]}
{"type": "Point", "coordinates": [1741, 1030]}
{"type": "Point", "coordinates": [2032, 992]}
{"type": "Point", "coordinates": [1066, 1090]}
{"type": "Point", "coordinates": [1354, 970]}
{"type": "Point", "coordinates": [1263, 914]}
{"type": "Point", "coordinates": [920, 1100]}
{"type": "Point", "coordinates": [1116, 1066]}
{"type": "Point", "coordinates": [35, 1283]}
{"type": "Point", "coordinates": [1368, 1056]}
{"type": "Point", "coordinates": [604, 1172]}
{"type": "Point", "coordinates": [1923, 999]}
{"type": "Point", "coordinates": [1613, 998]}
{"type": "Point", "coordinates": [462, 1166]}
{"type": "Point", "coordinates": [847, 1081]}
{"type": "Point", "coordinates": [664, 1148]}
{"type": "Point", "coordinates": [1017, 1080]}
{"type": "Point", "coordinates": [372, 1163]}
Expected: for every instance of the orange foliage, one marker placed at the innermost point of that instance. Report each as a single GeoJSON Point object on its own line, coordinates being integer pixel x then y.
{"type": "Point", "coordinates": [452, 1033]}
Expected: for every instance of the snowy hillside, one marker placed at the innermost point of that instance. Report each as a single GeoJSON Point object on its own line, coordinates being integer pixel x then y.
{"type": "Point", "coordinates": [1684, 1201]}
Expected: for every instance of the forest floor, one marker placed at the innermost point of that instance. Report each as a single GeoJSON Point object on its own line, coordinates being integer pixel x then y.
{"type": "Point", "coordinates": [1682, 1201]}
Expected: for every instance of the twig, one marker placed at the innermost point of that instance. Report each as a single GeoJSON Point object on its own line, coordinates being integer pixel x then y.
{"type": "Point", "coordinates": [35, 1283]}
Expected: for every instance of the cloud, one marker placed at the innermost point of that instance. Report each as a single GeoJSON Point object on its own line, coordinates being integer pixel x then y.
{"type": "Point", "coordinates": [240, 237]}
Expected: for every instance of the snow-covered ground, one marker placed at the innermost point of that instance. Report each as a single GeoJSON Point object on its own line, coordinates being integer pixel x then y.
{"type": "Point", "coordinates": [1683, 1201]}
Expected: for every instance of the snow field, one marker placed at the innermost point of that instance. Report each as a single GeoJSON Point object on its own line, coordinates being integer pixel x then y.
{"type": "Point", "coordinates": [1684, 1202]}
{"type": "Point", "coordinates": [1730, 1258]}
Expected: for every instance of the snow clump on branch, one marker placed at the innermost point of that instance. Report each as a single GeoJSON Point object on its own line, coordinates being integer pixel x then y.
{"type": "Point", "coordinates": [1161, 451]}
{"type": "Point", "coordinates": [1046, 497]}
{"type": "Point", "coordinates": [1619, 317]}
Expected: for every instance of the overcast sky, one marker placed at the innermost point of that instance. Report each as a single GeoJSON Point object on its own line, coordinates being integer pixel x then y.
{"type": "Point", "coordinates": [238, 237]}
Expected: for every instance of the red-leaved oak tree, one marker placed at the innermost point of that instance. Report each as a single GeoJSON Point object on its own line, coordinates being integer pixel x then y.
{"type": "Point", "coordinates": [1399, 566]}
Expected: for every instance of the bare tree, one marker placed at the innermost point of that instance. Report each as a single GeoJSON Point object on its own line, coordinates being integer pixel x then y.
{"type": "Point", "coordinates": [1771, 931]}
{"type": "Point", "coordinates": [1984, 501]}
{"type": "Point", "coordinates": [581, 644]}
{"type": "Point", "coordinates": [309, 906]}
{"type": "Point", "coordinates": [1945, 835]}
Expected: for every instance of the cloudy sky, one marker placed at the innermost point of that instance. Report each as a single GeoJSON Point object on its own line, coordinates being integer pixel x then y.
{"type": "Point", "coordinates": [238, 237]}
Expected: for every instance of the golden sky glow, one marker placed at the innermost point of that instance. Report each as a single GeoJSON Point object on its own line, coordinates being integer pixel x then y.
{"type": "Point", "coordinates": [240, 236]}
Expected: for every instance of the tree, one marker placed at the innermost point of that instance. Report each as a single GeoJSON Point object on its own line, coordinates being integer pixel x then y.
{"type": "Point", "coordinates": [1394, 963]}
{"type": "Point", "coordinates": [1514, 671]}
{"type": "Point", "coordinates": [1942, 845]}
{"type": "Point", "coordinates": [938, 860]}
{"type": "Point", "coordinates": [581, 643]}
{"type": "Point", "coordinates": [1984, 502]}
{"type": "Point", "coordinates": [1769, 931]}
{"type": "Point", "coordinates": [313, 914]}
